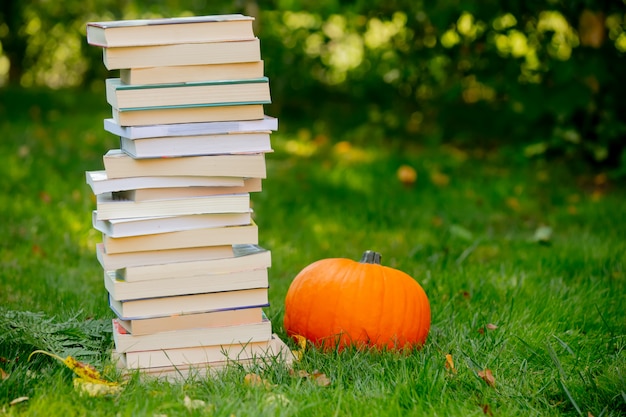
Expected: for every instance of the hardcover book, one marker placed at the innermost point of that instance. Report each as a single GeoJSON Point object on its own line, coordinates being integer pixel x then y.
{"type": "Point", "coordinates": [193, 321]}
{"type": "Point", "coordinates": [182, 54]}
{"type": "Point", "coordinates": [187, 114]}
{"type": "Point", "coordinates": [193, 238]}
{"type": "Point", "coordinates": [266, 123]}
{"type": "Point", "coordinates": [197, 284]}
{"type": "Point", "coordinates": [109, 207]}
{"type": "Point", "coordinates": [191, 73]}
{"type": "Point", "coordinates": [175, 146]}
{"type": "Point", "coordinates": [188, 304]}
{"type": "Point", "coordinates": [120, 33]}
{"type": "Point", "coordinates": [245, 258]}
{"type": "Point", "coordinates": [112, 261]}
{"type": "Point", "coordinates": [128, 97]}
{"type": "Point", "coordinates": [118, 164]}
{"type": "Point", "coordinates": [100, 183]}
{"type": "Point", "coordinates": [211, 336]}
{"type": "Point", "coordinates": [165, 224]}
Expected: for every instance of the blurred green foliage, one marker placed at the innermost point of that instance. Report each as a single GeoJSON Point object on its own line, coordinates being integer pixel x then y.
{"type": "Point", "coordinates": [546, 75]}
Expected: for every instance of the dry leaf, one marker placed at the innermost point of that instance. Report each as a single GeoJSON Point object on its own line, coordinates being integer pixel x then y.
{"type": "Point", "coordinates": [89, 380]}
{"type": "Point", "coordinates": [18, 400]}
{"type": "Point", "coordinates": [513, 203]}
{"type": "Point", "coordinates": [450, 363]}
{"type": "Point", "coordinates": [255, 380]}
{"type": "Point", "coordinates": [193, 404]}
{"type": "Point", "coordinates": [276, 400]}
{"type": "Point", "coordinates": [406, 175]}
{"type": "Point", "coordinates": [439, 179]}
{"type": "Point", "coordinates": [486, 409]}
{"type": "Point", "coordinates": [3, 374]}
{"type": "Point", "coordinates": [491, 326]}
{"type": "Point", "coordinates": [95, 389]}
{"type": "Point", "coordinates": [488, 377]}
{"type": "Point", "coordinates": [591, 29]}
{"type": "Point", "coordinates": [320, 379]}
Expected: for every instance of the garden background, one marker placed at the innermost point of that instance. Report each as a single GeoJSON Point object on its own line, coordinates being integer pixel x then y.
{"type": "Point", "coordinates": [511, 115]}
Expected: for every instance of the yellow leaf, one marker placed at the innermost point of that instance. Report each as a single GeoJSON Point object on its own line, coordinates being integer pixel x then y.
{"type": "Point", "coordinates": [84, 371]}
{"type": "Point", "coordinates": [301, 341]}
{"type": "Point", "coordinates": [95, 389]}
{"type": "Point", "coordinates": [3, 375]}
{"type": "Point", "coordinates": [255, 380]}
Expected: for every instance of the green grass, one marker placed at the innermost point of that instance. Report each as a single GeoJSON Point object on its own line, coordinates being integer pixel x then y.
{"type": "Point", "coordinates": [465, 230]}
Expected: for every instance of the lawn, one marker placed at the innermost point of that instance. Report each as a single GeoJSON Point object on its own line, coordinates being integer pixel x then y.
{"type": "Point", "coordinates": [523, 262]}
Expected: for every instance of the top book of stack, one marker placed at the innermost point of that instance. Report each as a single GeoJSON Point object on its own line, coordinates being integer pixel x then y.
{"type": "Point", "coordinates": [170, 31]}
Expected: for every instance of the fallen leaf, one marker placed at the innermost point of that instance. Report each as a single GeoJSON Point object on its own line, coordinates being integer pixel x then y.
{"type": "Point", "coordinates": [95, 389]}
{"type": "Point", "coordinates": [488, 377]}
{"type": "Point", "coordinates": [406, 175]}
{"type": "Point", "coordinates": [3, 374]}
{"type": "Point", "coordinates": [320, 379]}
{"type": "Point", "coordinates": [439, 179]}
{"type": "Point", "coordinates": [18, 400]}
{"type": "Point", "coordinates": [255, 380]}
{"type": "Point", "coordinates": [450, 364]}
{"type": "Point", "coordinates": [85, 372]}
{"type": "Point", "coordinates": [301, 341]}
{"type": "Point", "coordinates": [543, 234]}
{"type": "Point", "coordinates": [491, 326]}
{"type": "Point", "coordinates": [513, 203]}
{"type": "Point", "coordinates": [486, 409]}
{"type": "Point", "coordinates": [193, 404]}
{"type": "Point", "coordinates": [316, 376]}
{"type": "Point", "coordinates": [276, 400]}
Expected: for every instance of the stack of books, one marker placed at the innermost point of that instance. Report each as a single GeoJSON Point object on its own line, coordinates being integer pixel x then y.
{"type": "Point", "coordinates": [185, 275]}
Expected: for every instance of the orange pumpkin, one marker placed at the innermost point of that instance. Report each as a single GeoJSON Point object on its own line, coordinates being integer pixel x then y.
{"type": "Point", "coordinates": [339, 302]}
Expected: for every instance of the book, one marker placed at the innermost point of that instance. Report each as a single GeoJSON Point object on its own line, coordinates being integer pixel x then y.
{"type": "Point", "coordinates": [100, 183]}
{"type": "Point", "coordinates": [111, 261]}
{"type": "Point", "coordinates": [266, 123]}
{"type": "Point", "coordinates": [211, 336]}
{"type": "Point", "coordinates": [232, 281]}
{"type": "Point", "coordinates": [250, 185]}
{"type": "Point", "coordinates": [196, 355]}
{"type": "Point", "coordinates": [245, 258]}
{"type": "Point", "coordinates": [109, 207]}
{"type": "Point", "coordinates": [118, 33]}
{"type": "Point", "coordinates": [182, 54]}
{"type": "Point", "coordinates": [187, 114]}
{"type": "Point", "coordinates": [118, 164]}
{"type": "Point", "coordinates": [165, 224]}
{"type": "Point", "coordinates": [191, 73]}
{"type": "Point", "coordinates": [212, 236]}
{"type": "Point", "coordinates": [187, 304]}
{"type": "Point", "coordinates": [174, 146]}
{"type": "Point", "coordinates": [193, 321]}
{"type": "Point", "coordinates": [279, 353]}
{"type": "Point", "coordinates": [128, 97]}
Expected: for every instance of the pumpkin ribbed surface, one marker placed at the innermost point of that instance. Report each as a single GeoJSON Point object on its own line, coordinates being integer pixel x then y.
{"type": "Point", "coordinates": [337, 302]}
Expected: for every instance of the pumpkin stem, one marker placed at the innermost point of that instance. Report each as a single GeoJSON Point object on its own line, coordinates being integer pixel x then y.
{"type": "Point", "coordinates": [370, 257]}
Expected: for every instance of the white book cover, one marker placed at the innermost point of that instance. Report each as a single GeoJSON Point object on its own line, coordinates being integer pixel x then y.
{"type": "Point", "coordinates": [190, 129]}
{"type": "Point", "coordinates": [100, 183]}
